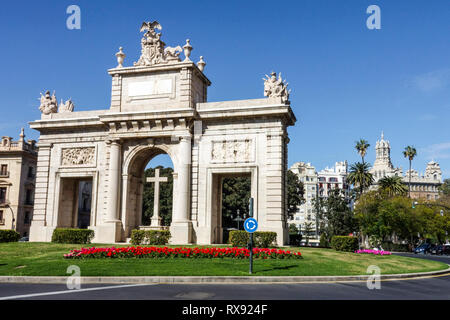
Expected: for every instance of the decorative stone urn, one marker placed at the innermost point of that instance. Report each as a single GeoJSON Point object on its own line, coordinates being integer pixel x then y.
{"type": "Point", "coordinates": [187, 50]}
{"type": "Point", "coordinates": [201, 64]}
{"type": "Point", "coordinates": [120, 58]}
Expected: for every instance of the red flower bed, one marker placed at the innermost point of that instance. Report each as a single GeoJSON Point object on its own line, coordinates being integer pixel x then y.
{"type": "Point", "coordinates": [165, 252]}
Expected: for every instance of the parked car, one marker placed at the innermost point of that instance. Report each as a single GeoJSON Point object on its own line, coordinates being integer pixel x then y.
{"type": "Point", "coordinates": [438, 249]}
{"type": "Point", "coordinates": [446, 249]}
{"type": "Point", "coordinates": [423, 248]}
{"type": "Point", "coordinates": [24, 239]}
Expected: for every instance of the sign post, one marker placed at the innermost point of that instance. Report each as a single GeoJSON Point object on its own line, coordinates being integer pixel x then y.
{"type": "Point", "coordinates": [251, 225]}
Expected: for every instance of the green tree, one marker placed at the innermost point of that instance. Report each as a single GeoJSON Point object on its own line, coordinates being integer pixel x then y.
{"type": "Point", "coordinates": [445, 187]}
{"type": "Point", "coordinates": [409, 152]}
{"type": "Point", "coordinates": [295, 193]}
{"type": "Point", "coordinates": [165, 196]}
{"type": "Point", "coordinates": [362, 146]}
{"type": "Point", "coordinates": [336, 218]}
{"type": "Point", "coordinates": [235, 196]}
{"type": "Point", "coordinates": [359, 176]}
{"type": "Point", "coordinates": [307, 230]}
{"type": "Point", "coordinates": [392, 186]}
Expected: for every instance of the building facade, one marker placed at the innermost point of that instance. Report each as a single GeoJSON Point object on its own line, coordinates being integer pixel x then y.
{"type": "Point", "coordinates": [159, 105]}
{"type": "Point", "coordinates": [17, 183]}
{"type": "Point", "coordinates": [317, 184]}
{"type": "Point", "coordinates": [423, 186]}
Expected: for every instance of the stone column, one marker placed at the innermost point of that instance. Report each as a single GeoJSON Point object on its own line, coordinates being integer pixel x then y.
{"type": "Point", "coordinates": [114, 181]}
{"type": "Point", "coordinates": [111, 229]}
{"type": "Point", "coordinates": [184, 174]}
{"type": "Point", "coordinates": [181, 227]}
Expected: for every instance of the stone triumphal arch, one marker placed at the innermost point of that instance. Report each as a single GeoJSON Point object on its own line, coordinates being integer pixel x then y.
{"type": "Point", "coordinates": [159, 105]}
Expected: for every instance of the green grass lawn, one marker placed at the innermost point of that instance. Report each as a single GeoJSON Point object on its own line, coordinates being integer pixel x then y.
{"type": "Point", "coordinates": [46, 259]}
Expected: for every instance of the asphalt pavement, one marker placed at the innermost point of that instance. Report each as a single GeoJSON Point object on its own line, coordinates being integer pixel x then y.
{"type": "Point", "coordinates": [423, 288]}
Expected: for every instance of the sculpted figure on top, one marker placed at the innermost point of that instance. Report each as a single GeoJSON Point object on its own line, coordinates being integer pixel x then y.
{"type": "Point", "coordinates": [153, 48]}
{"type": "Point", "coordinates": [274, 87]}
{"type": "Point", "coordinates": [48, 103]}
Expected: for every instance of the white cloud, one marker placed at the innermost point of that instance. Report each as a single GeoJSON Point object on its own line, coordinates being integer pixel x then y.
{"type": "Point", "coordinates": [432, 81]}
{"type": "Point", "coordinates": [437, 151]}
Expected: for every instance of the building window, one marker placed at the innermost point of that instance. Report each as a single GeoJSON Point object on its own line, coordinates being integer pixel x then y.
{"type": "Point", "coordinates": [29, 197]}
{"type": "Point", "coordinates": [322, 179]}
{"type": "Point", "coordinates": [2, 219]}
{"type": "Point", "coordinates": [4, 170]}
{"type": "Point", "coordinates": [2, 195]}
{"type": "Point", "coordinates": [333, 180]}
{"type": "Point", "coordinates": [26, 219]}
{"type": "Point", "coordinates": [30, 172]}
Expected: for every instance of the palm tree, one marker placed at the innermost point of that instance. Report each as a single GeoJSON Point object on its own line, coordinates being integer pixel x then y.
{"type": "Point", "coordinates": [410, 152]}
{"type": "Point", "coordinates": [359, 175]}
{"type": "Point", "coordinates": [392, 186]}
{"type": "Point", "coordinates": [362, 146]}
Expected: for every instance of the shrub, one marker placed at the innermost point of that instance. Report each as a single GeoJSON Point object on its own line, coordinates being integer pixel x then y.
{"type": "Point", "coordinates": [345, 243]}
{"type": "Point", "coordinates": [67, 235]}
{"type": "Point", "coordinates": [261, 239]}
{"type": "Point", "coordinates": [9, 236]}
{"type": "Point", "coordinates": [238, 238]}
{"type": "Point", "coordinates": [137, 237]}
{"type": "Point", "coordinates": [295, 239]}
{"type": "Point", "coordinates": [396, 247]}
{"type": "Point", "coordinates": [324, 242]}
{"type": "Point", "coordinates": [155, 237]}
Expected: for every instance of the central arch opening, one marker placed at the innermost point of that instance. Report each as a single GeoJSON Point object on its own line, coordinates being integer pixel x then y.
{"type": "Point", "coordinates": [148, 190]}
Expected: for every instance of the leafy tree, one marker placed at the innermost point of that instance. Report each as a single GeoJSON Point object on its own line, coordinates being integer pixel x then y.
{"type": "Point", "coordinates": [360, 176]}
{"type": "Point", "coordinates": [392, 186]}
{"type": "Point", "coordinates": [236, 193]}
{"type": "Point", "coordinates": [362, 146]}
{"type": "Point", "coordinates": [335, 216]}
{"type": "Point", "coordinates": [409, 152]}
{"type": "Point", "coordinates": [293, 229]}
{"type": "Point", "coordinates": [295, 193]}
{"type": "Point", "coordinates": [165, 196]}
{"type": "Point", "coordinates": [308, 229]}
{"type": "Point", "coordinates": [445, 187]}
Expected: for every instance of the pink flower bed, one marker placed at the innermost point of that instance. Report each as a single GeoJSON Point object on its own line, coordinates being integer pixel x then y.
{"type": "Point", "coordinates": [377, 252]}
{"type": "Point", "coordinates": [165, 252]}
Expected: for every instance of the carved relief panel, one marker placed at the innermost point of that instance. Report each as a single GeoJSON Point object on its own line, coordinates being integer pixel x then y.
{"type": "Point", "coordinates": [232, 151]}
{"type": "Point", "coordinates": [78, 156]}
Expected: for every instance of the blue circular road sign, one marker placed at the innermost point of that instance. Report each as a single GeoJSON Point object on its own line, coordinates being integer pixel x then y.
{"type": "Point", "coordinates": [251, 225]}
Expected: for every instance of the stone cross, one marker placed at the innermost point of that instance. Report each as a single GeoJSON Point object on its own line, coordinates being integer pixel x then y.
{"type": "Point", "coordinates": [156, 219]}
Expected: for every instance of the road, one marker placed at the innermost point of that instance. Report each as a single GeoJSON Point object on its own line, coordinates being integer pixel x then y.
{"type": "Point", "coordinates": [425, 288]}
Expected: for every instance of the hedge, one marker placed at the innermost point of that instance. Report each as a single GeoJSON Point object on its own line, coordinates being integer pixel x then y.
{"type": "Point", "coordinates": [344, 243]}
{"type": "Point", "coordinates": [9, 236]}
{"type": "Point", "coordinates": [396, 247]}
{"type": "Point", "coordinates": [261, 239]}
{"type": "Point", "coordinates": [155, 237]}
{"type": "Point", "coordinates": [67, 235]}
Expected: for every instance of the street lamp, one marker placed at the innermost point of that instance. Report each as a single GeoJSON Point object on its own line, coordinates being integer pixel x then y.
{"type": "Point", "coordinates": [12, 217]}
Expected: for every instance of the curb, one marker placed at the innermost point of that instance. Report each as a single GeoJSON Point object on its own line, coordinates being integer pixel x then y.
{"type": "Point", "coordinates": [213, 279]}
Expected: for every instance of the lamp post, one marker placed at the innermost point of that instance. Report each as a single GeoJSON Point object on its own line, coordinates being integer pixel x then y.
{"type": "Point", "coordinates": [12, 217]}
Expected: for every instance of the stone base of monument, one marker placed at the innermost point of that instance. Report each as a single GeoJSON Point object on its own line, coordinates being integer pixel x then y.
{"type": "Point", "coordinates": [109, 232]}
{"type": "Point", "coordinates": [41, 233]}
{"type": "Point", "coordinates": [153, 227]}
{"type": "Point", "coordinates": [181, 232]}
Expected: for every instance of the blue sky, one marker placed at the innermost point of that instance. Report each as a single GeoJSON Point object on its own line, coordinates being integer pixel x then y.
{"type": "Point", "coordinates": [348, 82]}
